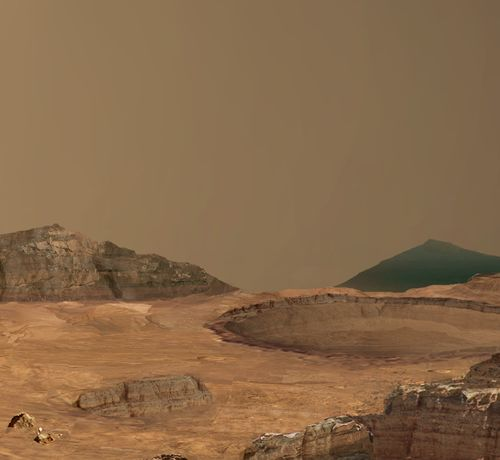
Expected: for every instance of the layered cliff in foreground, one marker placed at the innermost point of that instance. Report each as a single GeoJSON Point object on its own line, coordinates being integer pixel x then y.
{"type": "Point", "coordinates": [454, 420]}
{"type": "Point", "coordinates": [433, 262]}
{"type": "Point", "coordinates": [52, 263]}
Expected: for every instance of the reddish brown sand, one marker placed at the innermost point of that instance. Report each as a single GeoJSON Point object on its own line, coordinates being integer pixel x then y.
{"type": "Point", "coordinates": [51, 352]}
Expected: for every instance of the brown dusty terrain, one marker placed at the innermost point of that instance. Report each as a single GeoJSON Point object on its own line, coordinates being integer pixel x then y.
{"type": "Point", "coordinates": [51, 352]}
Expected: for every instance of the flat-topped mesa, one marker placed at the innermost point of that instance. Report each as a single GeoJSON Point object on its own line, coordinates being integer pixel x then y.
{"type": "Point", "coordinates": [52, 263]}
{"type": "Point", "coordinates": [146, 397]}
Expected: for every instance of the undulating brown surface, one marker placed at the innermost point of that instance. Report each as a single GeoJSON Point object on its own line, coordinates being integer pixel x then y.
{"type": "Point", "coordinates": [52, 352]}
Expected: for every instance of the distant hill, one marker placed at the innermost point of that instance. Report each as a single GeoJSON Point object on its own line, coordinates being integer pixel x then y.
{"type": "Point", "coordinates": [52, 263]}
{"type": "Point", "coordinates": [434, 262]}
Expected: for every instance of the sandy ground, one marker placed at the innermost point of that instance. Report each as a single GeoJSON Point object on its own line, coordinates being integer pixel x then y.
{"type": "Point", "coordinates": [51, 352]}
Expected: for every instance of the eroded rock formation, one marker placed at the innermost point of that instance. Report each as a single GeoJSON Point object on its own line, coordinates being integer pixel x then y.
{"type": "Point", "coordinates": [446, 421]}
{"type": "Point", "coordinates": [339, 438]}
{"type": "Point", "coordinates": [145, 397]}
{"type": "Point", "coordinates": [52, 263]}
{"type": "Point", "coordinates": [453, 420]}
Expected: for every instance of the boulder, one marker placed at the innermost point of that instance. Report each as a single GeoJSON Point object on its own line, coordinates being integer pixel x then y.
{"type": "Point", "coordinates": [22, 420]}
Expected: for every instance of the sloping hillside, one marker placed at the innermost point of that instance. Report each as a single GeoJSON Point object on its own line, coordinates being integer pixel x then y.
{"type": "Point", "coordinates": [434, 262]}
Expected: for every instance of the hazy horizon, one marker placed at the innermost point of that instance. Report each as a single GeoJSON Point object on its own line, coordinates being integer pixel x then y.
{"type": "Point", "coordinates": [277, 144]}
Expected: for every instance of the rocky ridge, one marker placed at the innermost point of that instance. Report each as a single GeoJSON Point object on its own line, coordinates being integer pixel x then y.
{"type": "Point", "coordinates": [52, 263]}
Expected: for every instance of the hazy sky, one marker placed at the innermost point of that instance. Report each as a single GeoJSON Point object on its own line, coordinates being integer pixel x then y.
{"type": "Point", "coordinates": [277, 143]}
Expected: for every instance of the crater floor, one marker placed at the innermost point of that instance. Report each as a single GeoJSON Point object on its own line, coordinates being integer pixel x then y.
{"type": "Point", "coordinates": [385, 329]}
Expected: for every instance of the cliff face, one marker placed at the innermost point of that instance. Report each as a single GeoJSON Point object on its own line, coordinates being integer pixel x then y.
{"type": "Point", "coordinates": [455, 420]}
{"type": "Point", "coordinates": [449, 421]}
{"type": "Point", "coordinates": [145, 397]}
{"type": "Point", "coordinates": [52, 263]}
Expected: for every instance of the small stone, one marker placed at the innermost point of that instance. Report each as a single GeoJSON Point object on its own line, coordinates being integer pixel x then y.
{"type": "Point", "coordinates": [22, 420]}
{"type": "Point", "coordinates": [44, 438]}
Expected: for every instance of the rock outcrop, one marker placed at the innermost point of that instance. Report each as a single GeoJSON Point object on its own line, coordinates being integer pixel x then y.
{"type": "Point", "coordinates": [456, 420]}
{"type": "Point", "coordinates": [339, 438]}
{"type": "Point", "coordinates": [52, 263]}
{"type": "Point", "coordinates": [452, 420]}
{"type": "Point", "coordinates": [145, 397]}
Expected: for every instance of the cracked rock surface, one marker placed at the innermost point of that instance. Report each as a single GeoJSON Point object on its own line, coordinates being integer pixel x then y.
{"type": "Point", "coordinates": [52, 263]}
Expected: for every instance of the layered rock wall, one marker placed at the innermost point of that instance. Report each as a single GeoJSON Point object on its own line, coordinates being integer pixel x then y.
{"type": "Point", "coordinates": [454, 420]}
{"type": "Point", "coordinates": [51, 263]}
{"type": "Point", "coordinates": [145, 397]}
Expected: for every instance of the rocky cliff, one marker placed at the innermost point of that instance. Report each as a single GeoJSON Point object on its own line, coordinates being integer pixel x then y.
{"type": "Point", "coordinates": [145, 397]}
{"type": "Point", "coordinates": [453, 420]}
{"type": "Point", "coordinates": [52, 263]}
{"type": "Point", "coordinates": [456, 420]}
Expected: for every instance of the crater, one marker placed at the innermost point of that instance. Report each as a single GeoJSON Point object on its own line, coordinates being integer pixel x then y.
{"type": "Point", "coordinates": [367, 327]}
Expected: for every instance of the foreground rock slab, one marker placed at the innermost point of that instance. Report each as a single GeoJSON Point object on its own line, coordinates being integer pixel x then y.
{"type": "Point", "coordinates": [145, 397]}
{"type": "Point", "coordinates": [339, 438]}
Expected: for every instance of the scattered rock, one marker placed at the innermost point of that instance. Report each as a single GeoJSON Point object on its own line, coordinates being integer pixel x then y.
{"type": "Point", "coordinates": [22, 420]}
{"type": "Point", "coordinates": [169, 457]}
{"type": "Point", "coordinates": [52, 263]}
{"type": "Point", "coordinates": [43, 438]}
{"type": "Point", "coordinates": [145, 397]}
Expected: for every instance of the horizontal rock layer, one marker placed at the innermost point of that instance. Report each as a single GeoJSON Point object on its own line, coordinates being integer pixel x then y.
{"type": "Point", "coordinates": [145, 397]}
{"type": "Point", "coordinates": [339, 438]}
{"type": "Point", "coordinates": [51, 263]}
{"type": "Point", "coordinates": [438, 422]}
{"type": "Point", "coordinates": [367, 325]}
{"type": "Point", "coordinates": [453, 420]}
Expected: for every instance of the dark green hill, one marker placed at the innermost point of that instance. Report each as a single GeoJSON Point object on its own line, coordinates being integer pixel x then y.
{"type": "Point", "coordinates": [434, 262]}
